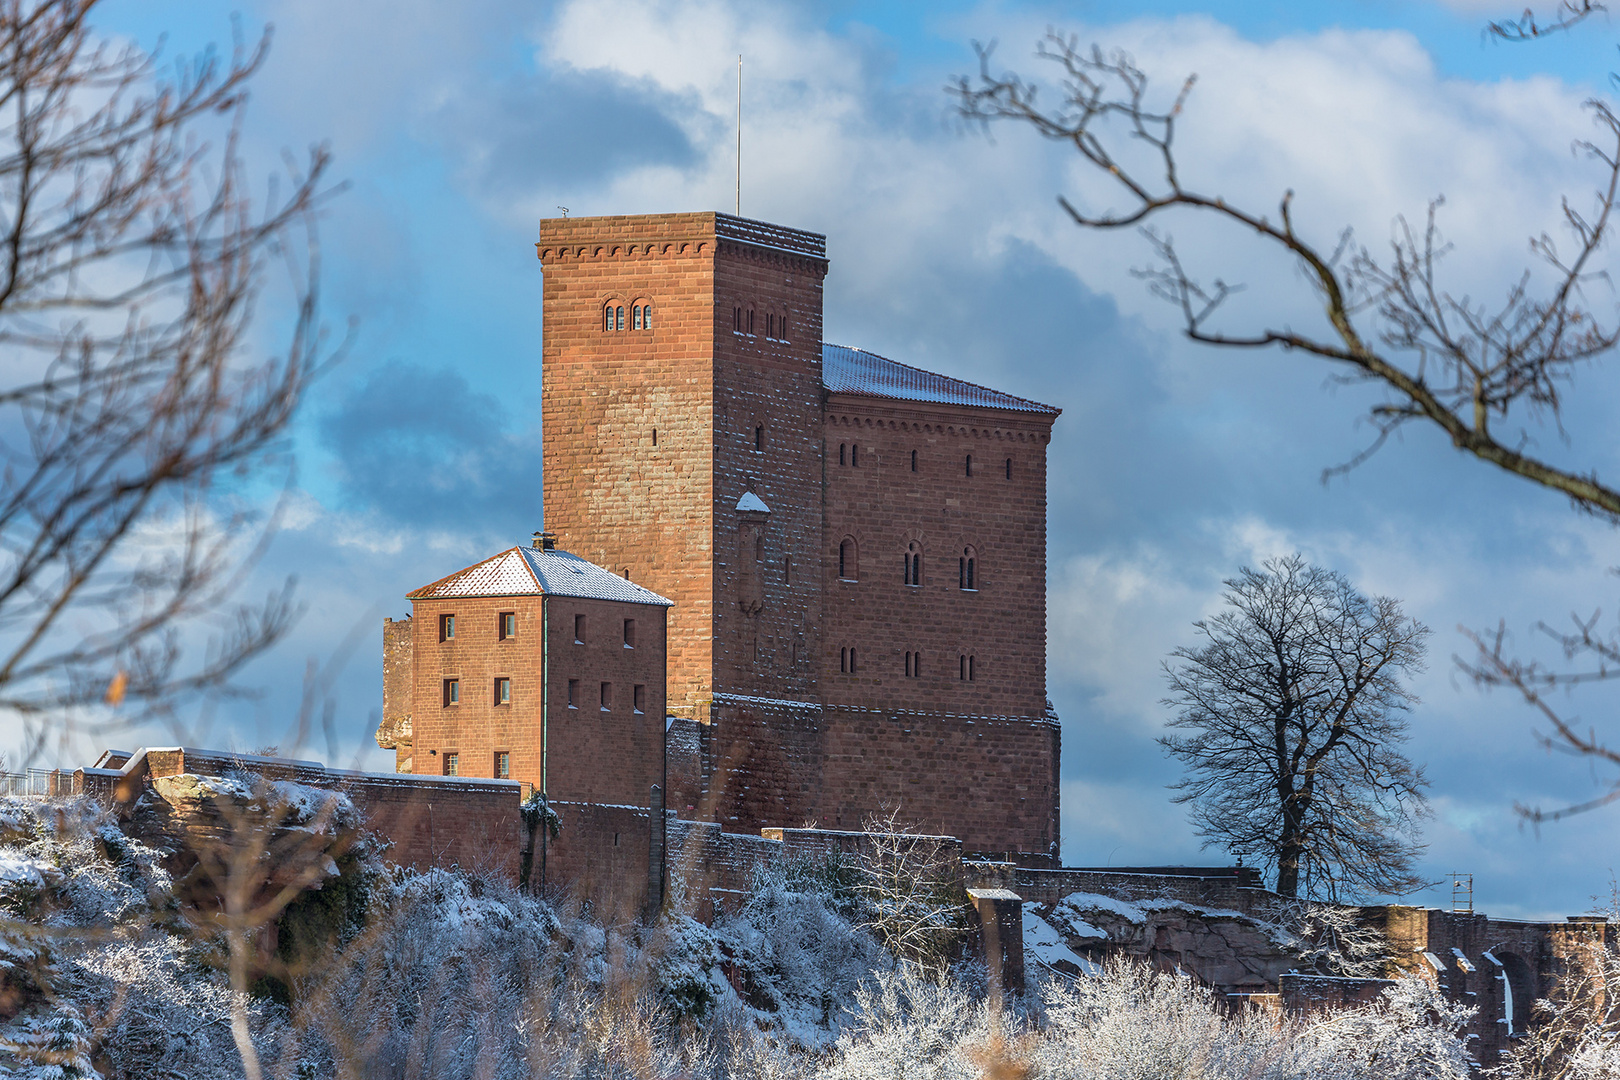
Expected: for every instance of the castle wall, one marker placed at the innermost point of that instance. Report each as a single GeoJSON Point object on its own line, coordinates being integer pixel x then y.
{"type": "Point", "coordinates": [628, 416]}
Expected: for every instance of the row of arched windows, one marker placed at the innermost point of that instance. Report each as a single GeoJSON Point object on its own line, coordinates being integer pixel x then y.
{"type": "Point", "coordinates": [744, 321]}
{"type": "Point", "coordinates": [613, 319]}
{"type": "Point", "coordinates": [967, 664]}
{"type": "Point", "coordinates": [967, 574]}
{"type": "Point", "coordinates": [849, 454]}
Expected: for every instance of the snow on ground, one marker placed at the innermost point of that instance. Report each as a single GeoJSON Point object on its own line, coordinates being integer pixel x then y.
{"type": "Point", "coordinates": [1046, 945]}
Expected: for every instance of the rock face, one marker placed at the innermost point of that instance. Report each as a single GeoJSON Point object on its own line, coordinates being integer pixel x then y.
{"type": "Point", "coordinates": [1232, 951]}
{"type": "Point", "coordinates": [243, 834]}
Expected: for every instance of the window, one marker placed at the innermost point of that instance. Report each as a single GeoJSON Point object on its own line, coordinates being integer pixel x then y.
{"type": "Point", "coordinates": [579, 629]}
{"type": "Point", "coordinates": [913, 561]}
{"type": "Point", "coordinates": [452, 764]}
{"type": "Point", "coordinates": [847, 568]}
{"type": "Point", "coordinates": [1009, 468]}
{"type": "Point", "coordinates": [655, 436]}
{"type": "Point", "coordinates": [846, 660]}
{"type": "Point", "coordinates": [629, 633]}
{"type": "Point", "coordinates": [914, 461]}
{"type": "Point", "coordinates": [646, 316]}
{"type": "Point", "coordinates": [970, 464]}
{"type": "Point", "coordinates": [573, 693]}
{"type": "Point", "coordinates": [750, 321]}
{"type": "Point", "coordinates": [783, 333]}
{"type": "Point", "coordinates": [787, 569]}
{"type": "Point", "coordinates": [913, 665]}
{"type": "Point", "coordinates": [447, 627]}
{"type": "Point", "coordinates": [770, 325]}
{"type": "Point", "coordinates": [965, 668]}
{"type": "Point", "coordinates": [759, 437]}
{"type": "Point", "coordinates": [613, 317]}
{"type": "Point", "coordinates": [638, 698]}
{"type": "Point", "coordinates": [967, 579]}
{"type": "Point", "coordinates": [503, 765]}
{"type": "Point", "coordinates": [843, 453]}
{"type": "Point", "coordinates": [607, 697]}
{"type": "Point", "coordinates": [970, 668]}
{"type": "Point", "coordinates": [503, 691]}
{"type": "Point", "coordinates": [452, 692]}
{"type": "Point", "coordinates": [618, 317]}
{"type": "Point", "coordinates": [736, 320]}
{"type": "Point", "coordinates": [506, 625]}
{"type": "Point", "coordinates": [854, 455]}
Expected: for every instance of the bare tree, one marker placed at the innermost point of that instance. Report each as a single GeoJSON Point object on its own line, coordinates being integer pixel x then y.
{"type": "Point", "coordinates": [1295, 712]}
{"type": "Point", "coordinates": [1483, 375]}
{"type": "Point", "coordinates": [911, 891]}
{"type": "Point", "coordinates": [131, 259]}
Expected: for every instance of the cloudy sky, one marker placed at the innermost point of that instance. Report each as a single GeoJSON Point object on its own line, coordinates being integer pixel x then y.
{"type": "Point", "coordinates": [456, 126]}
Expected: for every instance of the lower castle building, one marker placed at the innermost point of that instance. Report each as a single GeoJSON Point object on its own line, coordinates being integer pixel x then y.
{"type": "Point", "coordinates": [855, 552]}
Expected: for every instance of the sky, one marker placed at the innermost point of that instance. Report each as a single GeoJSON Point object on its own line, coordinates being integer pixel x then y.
{"type": "Point", "coordinates": [455, 127]}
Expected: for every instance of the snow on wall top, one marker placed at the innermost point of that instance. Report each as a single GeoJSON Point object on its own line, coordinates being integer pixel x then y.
{"type": "Point", "coordinates": [752, 502]}
{"type": "Point", "coordinates": [527, 571]}
{"type": "Point", "coordinates": [855, 371]}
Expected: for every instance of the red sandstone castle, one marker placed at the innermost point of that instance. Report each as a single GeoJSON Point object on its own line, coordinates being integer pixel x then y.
{"type": "Point", "coordinates": [855, 551]}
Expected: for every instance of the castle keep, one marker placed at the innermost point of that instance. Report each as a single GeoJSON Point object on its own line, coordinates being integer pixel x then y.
{"type": "Point", "coordinates": [855, 550]}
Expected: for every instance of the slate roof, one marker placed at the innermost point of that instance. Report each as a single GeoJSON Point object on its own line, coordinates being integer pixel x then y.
{"type": "Point", "coordinates": [855, 371]}
{"type": "Point", "coordinates": [527, 571]}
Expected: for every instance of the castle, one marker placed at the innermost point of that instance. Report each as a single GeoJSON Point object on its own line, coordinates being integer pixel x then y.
{"type": "Point", "coordinates": [854, 550]}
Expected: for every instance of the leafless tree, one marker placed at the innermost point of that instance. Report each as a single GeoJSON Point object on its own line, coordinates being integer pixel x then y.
{"type": "Point", "coordinates": [1483, 375]}
{"type": "Point", "coordinates": [135, 407]}
{"type": "Point", "coordinates": [1294, 711]}
{"type": "Point", "coordinates": [911, 892]}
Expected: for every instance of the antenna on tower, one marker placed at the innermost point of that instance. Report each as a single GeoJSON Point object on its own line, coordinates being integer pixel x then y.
{"type": "Point", "coordinates": [739, 134]}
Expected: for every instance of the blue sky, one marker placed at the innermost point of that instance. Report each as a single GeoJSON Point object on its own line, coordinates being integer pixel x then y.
{"type": "Point", "coordinates": [457, 126]}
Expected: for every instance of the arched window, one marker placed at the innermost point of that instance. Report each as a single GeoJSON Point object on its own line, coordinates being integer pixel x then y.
{"type": "Point", "coordinates": [970, 464]}
{"type": "Point", "coordinates": [913, 558]}
{"type": "Point", "coordinates": [847, 567]}
{"type": "Point", "coordinates": [770, 325]}
{"type": "Point", "coordinates": [782, 331]}
{"type": "Point", "coordinates": [967, 571]}
{"type": "Point", "coordinates": [635, 316]}
{"type": "Point", "coordinates": [961, 672]}
{"type": "Point", "coordinates": [854, 455]}
{"type": "Point", "coordinates": [759, 437]}
{"type": "Point", "coordinates": [750, 320]}
{"type": "Point", "coordinates": [914, 461]}
{"type": "Point", "coordinates": [736, 320]}
{"type": "Point", "coordinates": [970, 667]}
{"type": "Point", "coordinates": [843, 453]}
{"type": "Point", "coordinates": [1009, 468]}
{"type": "Point", "coordinates": [641, 316]}
{"type": "Point", "coordinates": [913, 665]}
{"type": "Point", "coordinates": [852, 665]}
{"type": "Point", "coordinates": [613, 317]}
{"type": "Point", "coordinates": [843, 660]}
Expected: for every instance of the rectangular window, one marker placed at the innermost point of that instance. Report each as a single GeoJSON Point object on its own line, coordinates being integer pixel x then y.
{"type": "Point", "coordinates": [506, 626]}
{"type": "Point", "coordinates": [452, 764]}
{"type": "Point", "coordinates": [750, 321]}
{"type": "Point", "coordinates": [447, 627]}
{"type": "Point", "coordinates": [639, 702]}
{"type": "Point", "coordinates": [607, 697]}
{"type": "Point", "coordinates": [914, 461]}
{"type": "Point", "coordinates": [970, 464]}
{"type": "Point", "coordinates": [646, 316]}
{"type": "Point", "coordinates": [452, 692]}
{"type": "Point", "coordinates": [618, 320]}
{"type": "Point", "coordinates": [579, 629]}
{"type": "Point", "coordinates": [503, 765]}
{"type": "Point", "coordinates": [1009, 468]}
{"type": "Point", "coordinates": [573, 693]}
{"type": "Point", "coordinates": [629, 633]}
{"type": "Point", "coordinates": [503, 691]}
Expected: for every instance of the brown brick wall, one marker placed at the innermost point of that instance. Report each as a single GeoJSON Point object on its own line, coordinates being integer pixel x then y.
{"type": "Point", "coordinates": [398, 688]}
{"type": "Point", "coordinates": [600, 756]}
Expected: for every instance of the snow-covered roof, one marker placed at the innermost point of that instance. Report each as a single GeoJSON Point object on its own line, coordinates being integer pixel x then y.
{"type": "Point", "coordinates": [856, 371]}
{"type": "Point", "coordinates": [528, 571]}
{"type": "Point", "coordinates": [753, 503]}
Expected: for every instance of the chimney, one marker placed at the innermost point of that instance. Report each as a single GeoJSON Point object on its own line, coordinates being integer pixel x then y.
{"type": "Point", "coordinates": [544, 541]}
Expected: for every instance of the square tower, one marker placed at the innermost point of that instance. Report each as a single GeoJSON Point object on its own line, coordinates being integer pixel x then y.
{"type": "Point", "coordinates": [682, 423]}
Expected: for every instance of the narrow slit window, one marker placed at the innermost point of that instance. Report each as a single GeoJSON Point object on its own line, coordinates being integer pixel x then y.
{"type": "Point", "coordinates": [784, 326]}
{"type": "Point", "coordinates": [579, 629]}
{"type": "Point", "coordinates": [914, 461]}
{"type": "Point", "coordinates": [573, 693]}
{"type": "Point", "coordinates": [847, 568]}
{"type": "Point", "coordinates": [970, 465]}
{"type": "Point", "coordinates": [640, 698]}
{"type": "Point", "coordinates": [655, 436]}
{"type": "Point", "coordinates": [1009, 468]}
{"type": "Point", "coordinates": [770, 325]}
{"type": "Point", "coordinates": [854, 455]}
{"type": "Point", "coordinates": [787, 569]}
{"type": "Point", "coordinates": [629, 633]}
{"type": "Point", "coordinates": [750, 321]}
{"type": "Point", "coordinates": [503, 765]}
{"type": "Point", "coordinates": [913, 559]}
{"type": "Point", "coordinates": [852, 659]}
{"type": "Point", "coordinates": [503, 691]}
{"type": "Point", "coordinates": [452, 692]}
{"type": "Point", "coordinates": [452, 764]}
{"type": "Point", "coordinates": [961, 673]}
{"type": "Point", "coordinates": [843, 660]}
{"type": "Point", "coordinates": [646, 316]}
{"type": "Point", "coordinates": [618, 320]}
{"type": "Point", "coordinates": [607, 697]}
{"type": "Point", "coordinates": [843, 453]}
{"type": "Point", "coordinates": [759, 437]}
{"type": "Point", "coordinates": [635, 316]}
{"type": "Point", "coordinates": [970, 669]}
{"type": "Point", "coordinates": [908, 664]}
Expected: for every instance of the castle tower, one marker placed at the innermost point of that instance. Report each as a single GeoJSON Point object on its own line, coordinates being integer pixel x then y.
{"type": "Point", "coordinates": [859, 615]}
